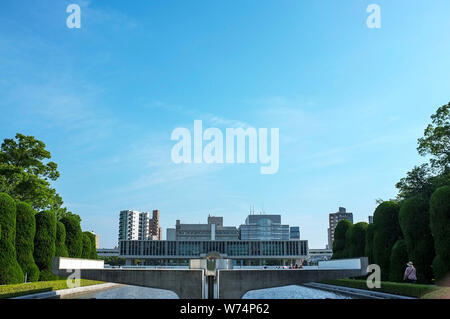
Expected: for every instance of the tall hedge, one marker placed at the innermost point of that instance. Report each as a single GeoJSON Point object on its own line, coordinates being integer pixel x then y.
{"type": "Point", "coordinates": [398, 261]}
{"type": "Point", "coordinates": [93, 248]}
{"type": "Point", "coordinates": [74, 237]}
{"type": "Point", "coordinates": [339, 239]}
{"type": "Point", "coordinates": [357, 237]}
{"type": "Point", "coordinates": [348, 241]}
{"type": "Point", "coordinates": [60, 242]}
{"type": "Point", "coordinates": [440, 229]}
{"type": "Point", "coordinates": [414, 218]}
{"type": "Point", "coordinates": [10, 271]}
{"type": "Point", "coordinates": [368, 250]}
{"type": "Point", "coordinates": [44, 244]}
{"type": "Point", "coordinates": [387, 232]}
{"type": "Point", "coordinates": [25, 232]}
{"type": "Point", "coordinates": [87, 246]}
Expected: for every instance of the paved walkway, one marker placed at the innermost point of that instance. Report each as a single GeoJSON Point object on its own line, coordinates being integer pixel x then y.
{"type": "Point", "coordinates": [58, 294]}
{"type": "Point", "coordinates": [357, 293]}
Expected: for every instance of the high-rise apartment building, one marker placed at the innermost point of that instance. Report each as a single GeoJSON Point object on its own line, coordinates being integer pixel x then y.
{"type": "Point", "coordinates": [334, 219]}
{"type": "Point", "coordinates": [135, 225]}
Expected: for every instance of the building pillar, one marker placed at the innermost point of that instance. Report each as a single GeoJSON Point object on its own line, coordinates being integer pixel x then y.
{"type": "Point", "coordinates": [128, 262]}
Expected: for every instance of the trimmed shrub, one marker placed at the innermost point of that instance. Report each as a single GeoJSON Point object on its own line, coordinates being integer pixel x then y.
{"type": "Point", "coordinates": [60, 242]}
{"type": "Point", "coordinates": [44, 244]}
{"type": "Point", "coordinates": [74, 237]}
{"type": "Point", "coordinates": [10, 271]}
{"type": "Point", "coordinates": [87, 246]}
{"type": "Point", "coordinates": [357, 240]}
{"type": "Point", "coordinates": [387, 232]}
{"type": "Point", "coordinates": [440, 229]}
{"type": "Point", "coordinates": [414, 221]}
{"type": "Point", "coordinates": [93, 248]}
{"type": "Point", "coordinates": [399, 258]}
{"type": "Point", "coordinates": [368, 249]}
{"type": "Point", "coordinates": [339, 239]}
{"type": "Point", "coordinates": [25, 232]}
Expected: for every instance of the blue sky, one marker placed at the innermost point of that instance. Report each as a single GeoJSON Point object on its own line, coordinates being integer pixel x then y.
{"type": "Point", "coordinates": [350, 102]}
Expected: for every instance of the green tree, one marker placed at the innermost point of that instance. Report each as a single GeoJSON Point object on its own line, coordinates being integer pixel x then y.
{"type": "Point", "coordinates": [60, 243]}
{"type": "Point", "coordinates": [348, 242]}
{"type": "Point", "coordinates": [93, 248]}
{"type": "Point", "coordinates": [25, 172]}
{"type": "Point", "coordinates": [25, 232]}
{"type": "Point", "coordinates": [414, 221]}
{"type": "Point", "coordinates": [87, 246]}
{"type": "Point", "coordinates": [74, 237]}
{"type": "Point", "coordinates": [339, 239]}
{"type": "Point", "coordinates": [436, 140]}
{"type": "Point", "coordinates": [440, 229]}
{"type": "Point", "coordinates": [368, 249]}
{"type": "Point", "coordinates": [10, 271]}
{"type": "Point", "coordinates": [357, 240]}
{"type": "Point", "coordinates": [387, 232]}
{"type": "Point", "coordinates": [398, 260]}
{"type": "Point", "coordinates": [44, 244]}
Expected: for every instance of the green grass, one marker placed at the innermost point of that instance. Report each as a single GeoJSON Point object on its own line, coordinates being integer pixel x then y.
{"type": "Point", "coordinates": [396, 288]}
{"type": "Point", "coordinates": [440, 293]}
{"type": "Point", "coordinates": [9, 291]}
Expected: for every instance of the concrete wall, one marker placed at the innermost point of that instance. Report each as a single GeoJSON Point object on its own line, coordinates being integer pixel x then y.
{"type": "Point", "coordinates": [187, 284]}
{"type": "Point", "coordinates": [341, 264]}
{"type": "Point", "coordinates": [77, 263]}
{"type": "Point", "coordinates": [190, 284]}
{"type": "Point", "coordinates": [233, 284]}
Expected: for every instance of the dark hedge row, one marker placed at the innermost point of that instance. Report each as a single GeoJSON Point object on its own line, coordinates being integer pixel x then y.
{"type": "Point", "coordinates": [74, 237]}
{"type": "Point", "coordinates": [10, 271]}
{"type": "Point", "coordinates": [417, 229]}
{"type": "Point", "coordinates": [29, 241]}
{"type": "Point", "coordinates": [399, 259]}
{"type": "Point", "coordinates": [44, 244]}
{"type": "Point", "coordinates": [60, 243]}
{"type": "Point", "coordinates": [414, 218]}
{"type": "Point", "coordinates": [25, 232]}
{"type": "Point", "coordinates": [339, 243]}
{"type": "Point", "coordinates": [387, 232]}
{"type": "Point", "coordinates": [440, 227]}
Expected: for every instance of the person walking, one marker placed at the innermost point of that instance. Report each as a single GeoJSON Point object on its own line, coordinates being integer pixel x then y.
{"type": "Point", "coordinates": [410, 273]}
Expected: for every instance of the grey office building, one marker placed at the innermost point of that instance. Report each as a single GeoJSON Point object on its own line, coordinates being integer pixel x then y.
{"type": "Point", "coordinates": [213, 230]}
{"type": "Point", "coordinates": [294, 233]}
{"type": "Point", "coordinates": [264, 227]}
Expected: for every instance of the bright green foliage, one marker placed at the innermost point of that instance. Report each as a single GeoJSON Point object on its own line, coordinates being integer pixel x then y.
{"type": "Point", "coordinates": [339, 239]}
{"type": "Point", "coordinates": [25, 232]}
{"type": "Point", "coordinates": [60, 243]}
{"type": "Point", "coordinates": [357, 240]}
{"type": "Point", "coordinates": [93, 248]}
{"type": "Point", "coordinates": [74, 237]}
{"type": "Point", "coordinates": [87, 246]}
{"type": "Point", "coordinates": [387, 232]}
{"type": "Point", "coordinates": [10, 271]}
{"type": "Point", "coordinates": [414, 221]}
{"type": "Point", "coordinates": [44, 244]}
{"type": "Point", "coordinates": [399, 258]}
{"type": "Point", "coordinates": [368, 249]}
{"type": "Point", "coordinates": [436, 139]}
{"type": "Point", "coordinates": [25, 174]}
{"type": "Point", "coordinates": [440, 229]}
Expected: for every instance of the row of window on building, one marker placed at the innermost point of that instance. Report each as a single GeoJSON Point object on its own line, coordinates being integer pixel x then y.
{"type": "Point", "coordinates": [198, 248]}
